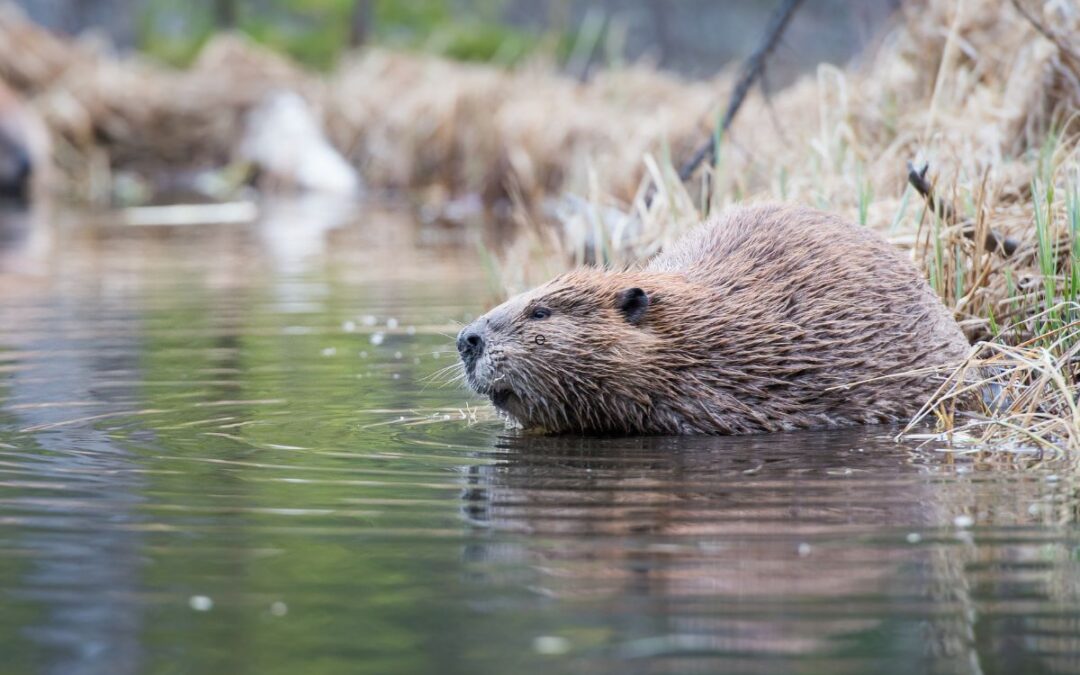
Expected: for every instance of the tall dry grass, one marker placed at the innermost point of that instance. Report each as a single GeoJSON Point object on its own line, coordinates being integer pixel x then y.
{"type": "Point", "coordinates": [408, 120]}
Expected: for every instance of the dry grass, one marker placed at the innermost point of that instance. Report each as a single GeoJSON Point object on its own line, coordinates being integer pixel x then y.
{"type": "Point", "coordinates": [409, 121]}
{"type": "Point", "coordinates": [1028, 393]}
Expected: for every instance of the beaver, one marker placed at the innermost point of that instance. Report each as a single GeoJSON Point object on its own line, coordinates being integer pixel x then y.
{"type": "Point", "coordinates": [767, 318]}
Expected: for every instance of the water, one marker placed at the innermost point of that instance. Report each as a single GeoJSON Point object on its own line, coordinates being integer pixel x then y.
{"type": "Point", "coordinates": [222, 451]}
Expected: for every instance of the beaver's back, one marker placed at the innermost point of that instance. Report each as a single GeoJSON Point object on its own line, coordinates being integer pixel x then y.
{"type": "Point", "coordinates": [800, 302]}
{"type": "Point", "coordinates": [779, 238]}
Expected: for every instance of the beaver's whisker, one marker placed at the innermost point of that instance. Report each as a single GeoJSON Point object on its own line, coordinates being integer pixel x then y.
{"type": "Point", "coordinates": [440, 376]}
{"type": "Point", "coordinates": [445, 369]}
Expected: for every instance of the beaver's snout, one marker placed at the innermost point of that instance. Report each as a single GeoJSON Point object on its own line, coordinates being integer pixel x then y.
{"type": "Point", "coordinates": [470, 343]}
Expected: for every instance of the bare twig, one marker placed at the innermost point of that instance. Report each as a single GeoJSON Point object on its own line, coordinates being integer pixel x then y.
{"type": "Point", "coordinates": [993, 241]}
{"type": "Point", "coordinates": [1050, 35]}
{"type": "Point", "coordinates": [751, 70]}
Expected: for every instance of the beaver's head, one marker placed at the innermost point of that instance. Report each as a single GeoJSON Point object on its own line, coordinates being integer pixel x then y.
{"type": "Point", "coordinates": [565, 356]}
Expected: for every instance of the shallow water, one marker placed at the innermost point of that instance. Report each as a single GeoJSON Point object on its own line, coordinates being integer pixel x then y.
{"type": "Point", "coordinates": [226, 450]}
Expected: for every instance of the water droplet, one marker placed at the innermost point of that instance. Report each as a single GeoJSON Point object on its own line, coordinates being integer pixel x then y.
{"type": "Point", "coordinates": [279, 608]}
{"type": "Point", "coordinates": [963, 520]}
{"type": "Point", "coordinates": [348, 326]}
{"type": "Point", "coordinates": [551, 645]}
{"type": "Point", "coordinates": [913, 537]}
{"type": "Point", "coordinates": [397, 376]}
{"type": "Point", "coordinates": [201, 603]}
{"type": "Point", "coordinates": [377, 339]}
{"type": "Point", "coordinates": [804, 550]}
{"type": "Point", "coordinates": [391, 323]}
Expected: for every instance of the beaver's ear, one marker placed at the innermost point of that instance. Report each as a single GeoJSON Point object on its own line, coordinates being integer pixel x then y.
{"type": "Point", "coordinates": [632, 303]}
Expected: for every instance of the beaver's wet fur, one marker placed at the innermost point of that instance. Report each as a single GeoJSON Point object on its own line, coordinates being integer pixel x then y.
{"type": "Point", "coordinates": [766, 318]}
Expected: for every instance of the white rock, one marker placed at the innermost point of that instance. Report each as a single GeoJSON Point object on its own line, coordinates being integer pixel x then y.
{"type": "Point", "coordinates": [551, 645]}
{"type": "Point", "coordinates": [285, 140]}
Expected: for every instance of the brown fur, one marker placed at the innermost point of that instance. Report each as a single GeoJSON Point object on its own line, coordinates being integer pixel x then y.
{"type": "Point", "coordinates": [766, 318]}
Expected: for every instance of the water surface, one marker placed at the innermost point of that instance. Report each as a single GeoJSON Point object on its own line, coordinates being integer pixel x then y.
{"type": "Point", "coordinates": [227, 450]}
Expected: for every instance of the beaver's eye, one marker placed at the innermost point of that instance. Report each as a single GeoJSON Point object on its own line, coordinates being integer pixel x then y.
{"type": "Point", "coordinates": [540, 313]}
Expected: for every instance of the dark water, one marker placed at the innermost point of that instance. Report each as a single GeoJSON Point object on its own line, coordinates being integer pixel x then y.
{"type": "Point", "coordinates": [222, 451]}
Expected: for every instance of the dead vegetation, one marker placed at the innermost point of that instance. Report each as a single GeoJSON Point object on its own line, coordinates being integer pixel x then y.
{"type": "Point", "coordinates": [409, 121]}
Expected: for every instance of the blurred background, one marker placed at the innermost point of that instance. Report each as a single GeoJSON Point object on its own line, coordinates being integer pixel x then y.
{"type": "Point", "coordinates": [476, 108]}
{"type": "Point", "coordinates": [693, 37]}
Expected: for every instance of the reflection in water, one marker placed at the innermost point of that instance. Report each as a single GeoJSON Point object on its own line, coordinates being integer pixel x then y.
{"type": "Point", "coordinates": [71, 485]}
{"type": "Point", "coordinates": [813, 552]}
{"type": "Point", "coordinates": [26, 235]}
{"type": "Point", "coordinates": [293, 232]}
{"type": "Point", "coordinates": [222, 451]}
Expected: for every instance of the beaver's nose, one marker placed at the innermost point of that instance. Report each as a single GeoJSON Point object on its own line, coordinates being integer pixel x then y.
{"type": "Point", "coordinates": [470, 343]}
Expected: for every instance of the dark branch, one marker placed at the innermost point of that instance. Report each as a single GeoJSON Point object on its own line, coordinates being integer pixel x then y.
{"type": "Point", "coordinates": [225, 12]}
{"type": "Point", "coordinates": [751, 70]}
{"type": "Point", "coordinates": [1061, 44]}
{"type": "Point", "coordinates": [360, 22]}
{"type": "Point", "coordinates": [992, 242]}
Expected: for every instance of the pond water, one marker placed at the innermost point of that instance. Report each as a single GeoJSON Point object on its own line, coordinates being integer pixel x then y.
{"type": "Point", "coordinates": [229, 450]}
